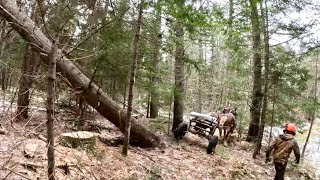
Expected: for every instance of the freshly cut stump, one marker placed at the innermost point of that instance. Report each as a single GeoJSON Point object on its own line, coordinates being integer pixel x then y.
{"type": "Point", "coordinates": [78, 139]}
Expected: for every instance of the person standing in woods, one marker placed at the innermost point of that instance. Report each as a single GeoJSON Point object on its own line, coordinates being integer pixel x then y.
{"type": "Point", "coordinates": [283, 146]}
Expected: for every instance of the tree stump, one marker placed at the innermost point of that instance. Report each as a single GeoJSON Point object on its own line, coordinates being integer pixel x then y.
{"type": "Point", "coordinates": [78, 139]}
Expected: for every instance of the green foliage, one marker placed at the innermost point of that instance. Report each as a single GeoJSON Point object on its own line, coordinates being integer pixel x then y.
{"type": "Point", "coordinates": [217, 52]}
{"type": "Point", "coordinates": [289, 78]}
{"type": "Point", "coordinates": [113, 63]}
{"type": "Point", "coordinates": [64, 19]}
{"type": "Point", "coordinates": [223, 152]}
{"type": "Point", "coordinates": [17, 46]}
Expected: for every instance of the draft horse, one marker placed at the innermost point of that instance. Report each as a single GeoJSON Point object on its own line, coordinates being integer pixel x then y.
{"type": "Point", "coordinates": [227, 123]}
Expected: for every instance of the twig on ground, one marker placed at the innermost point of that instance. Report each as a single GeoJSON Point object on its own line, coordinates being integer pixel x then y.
{"type": "Point", "coordinates": [41, 137]}
{"type": "Point", "coordinates": [8, 174]}
{"type": "Point", "coordinates": [6, 162]}
{"type": "Point", "coordinates": [17, 173]}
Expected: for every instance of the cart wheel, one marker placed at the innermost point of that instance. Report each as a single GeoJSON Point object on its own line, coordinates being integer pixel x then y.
{"type": "Point", "coordinates": [181, 131]}
{"type": "Point", "coordinates": [213, 141]}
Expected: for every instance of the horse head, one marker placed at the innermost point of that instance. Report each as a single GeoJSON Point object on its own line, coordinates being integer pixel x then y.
{"type": "Point", "coordinates": [226, 110]}
{"type": "Point", "coordinates": [233, 110]}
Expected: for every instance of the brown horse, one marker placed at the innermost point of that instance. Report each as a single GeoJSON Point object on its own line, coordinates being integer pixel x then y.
{"type": "Point", "coordinates": [227, 124]}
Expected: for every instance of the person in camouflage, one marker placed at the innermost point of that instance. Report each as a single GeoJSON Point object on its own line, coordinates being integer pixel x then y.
{"type": "Point", "coordinates": [282, 148]}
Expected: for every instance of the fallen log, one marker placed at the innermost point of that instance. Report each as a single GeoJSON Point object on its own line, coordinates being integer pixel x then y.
{"type": "Point", "coordinates": [92, 94]}
{"type": "Point", "coordinates": [111, 141]}
{"type": "Point", "coordinates": [98, 127]}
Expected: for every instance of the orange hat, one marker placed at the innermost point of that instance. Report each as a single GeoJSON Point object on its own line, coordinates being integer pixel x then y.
{"type": "Point", "coordinates": [291, 127]}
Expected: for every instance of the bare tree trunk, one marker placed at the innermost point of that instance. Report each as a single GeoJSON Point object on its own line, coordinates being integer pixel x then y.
{"type": "Point", "coordinates": [3, 44]}
{"type": "Point", "coordinates": [315, 102]}
{"type": "Point", "coordinates": [9, 83]}
{"type": "Point", "coordinates": [11, 102]}
{"type": "Point", "coordinates": [135, 54]}
{"type": "Point", "coordinates": [124, 96]}
{"type": "Point", "coordinates": [7, 80]}
{"type": "Point", "coordinates": [199, 96]}
{"type": "Point", "coordinates": [80, 120]}
{"type": "Point", "coordinates": [240, 128]}
{"type": "Point", "coordinates": [148, 105]}
{"type": "Point", "coordinates": [199, 99]}
{"type": "Point", "coordinates": [3, 76]}
{"type": "Point", "coordinates": [92, 94]}
{"type": "Point", "coordinates": [50, 109]}
{"type": "Point", "coordinates": [257, 81]}
{"type": "Point", "coordinates": [25, 84]}
{"type": "Point", "coordinates": [266, 79]}
{"type": "Point", "coordinates": [114, 93]}
{"type": "Point", "coordinates": [231, 11]}
{"type": "Point", "coordinates": [272, 116]}
{"type": "Point", "coordinates": [4, 71]}
{"type": "Point", "coordinates": [178, 106]}
{"type": "Point", "coordinates": [169, 114]}
{"type": "Point", "coordinates": [154, 102]}
{"type": "Point", "coordinates": [30, 60]}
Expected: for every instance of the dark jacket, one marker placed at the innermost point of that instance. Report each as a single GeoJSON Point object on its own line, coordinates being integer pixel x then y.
{"type": "Point", "coordinates": [282, 147]}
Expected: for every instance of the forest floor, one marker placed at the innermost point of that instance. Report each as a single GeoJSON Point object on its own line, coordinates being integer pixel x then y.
{"type": "Point", "coordinates": [186, 159]}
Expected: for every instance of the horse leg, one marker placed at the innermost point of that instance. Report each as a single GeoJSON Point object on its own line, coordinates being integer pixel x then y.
{"type": "Point", "coordinates": [229, 132]}
{"type": "Point", "coordinates": [233, 142]}
{"type": "Point", "coordinates": [225, 134]}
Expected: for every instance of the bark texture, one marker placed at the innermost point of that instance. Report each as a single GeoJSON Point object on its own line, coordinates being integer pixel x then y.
{"type": "Point", "coordinates": [266, 79]}
{"type": "Point", "coordinates": [154, 102]}
{"type": "Point", "coordinates": [29, 67]}
{"type": "Point", "coordinates": [92, 94]}
{"type": "Point", "coordinates": [50, 109]}
{"type": "Point", "coordinates": [178, 106]}
{"type": "Point", "coordinates": [314, 111]}
{"type": "Point", "coordinates": [30, 59]}
{"type": "Point", "coordinates": [4, 33]}
{"type": "Point", "coordinates": [135, 53]}
{"type": "Point", "coordinates": [257, 81]}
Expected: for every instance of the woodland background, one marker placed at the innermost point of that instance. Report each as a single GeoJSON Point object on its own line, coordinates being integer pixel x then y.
{"type": "Point", "coordinates": [164, 59]}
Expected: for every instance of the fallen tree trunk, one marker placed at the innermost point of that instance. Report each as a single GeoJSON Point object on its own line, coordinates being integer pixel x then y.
{"type": "Point", "coordinates": [92, 94]}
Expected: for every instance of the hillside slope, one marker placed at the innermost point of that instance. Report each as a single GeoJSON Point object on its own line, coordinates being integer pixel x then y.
{"type": "Point", "coordinates": [186, 159]}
